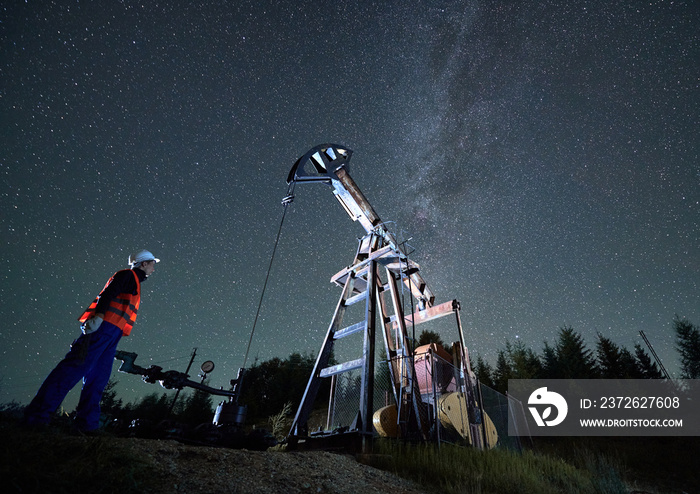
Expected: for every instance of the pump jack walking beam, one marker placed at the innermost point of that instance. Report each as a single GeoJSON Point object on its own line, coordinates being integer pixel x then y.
{"type": "Point", "coordinates": [329, 163]}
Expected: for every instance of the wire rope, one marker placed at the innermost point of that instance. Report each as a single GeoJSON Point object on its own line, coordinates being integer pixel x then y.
{"type": "Point", "coordinates": [285, 202]}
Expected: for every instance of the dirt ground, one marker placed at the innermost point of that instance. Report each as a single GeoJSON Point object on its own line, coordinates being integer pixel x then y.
{"type": "Point", "coordinates": [197, 469]}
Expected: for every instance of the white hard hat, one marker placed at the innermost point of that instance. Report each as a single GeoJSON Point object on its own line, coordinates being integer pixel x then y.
{"type": "Point", "coordinates": [141, 256]}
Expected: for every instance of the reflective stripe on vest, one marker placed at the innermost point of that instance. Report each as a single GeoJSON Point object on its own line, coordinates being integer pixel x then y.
{"type": "Point", "coordinates": [122, 310]}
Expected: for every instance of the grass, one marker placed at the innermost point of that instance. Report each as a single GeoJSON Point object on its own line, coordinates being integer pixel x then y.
{"type": "Point", "coordinates": [600, 465]}
{"type": "Point", "coordinates": [458, 470]}
{"type": "Point", "coordinates": [649, 464]}
{"type": "Point", "coordinates": [281, 422]}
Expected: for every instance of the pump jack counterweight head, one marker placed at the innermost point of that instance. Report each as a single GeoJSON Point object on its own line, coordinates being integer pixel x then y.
{"type": "Point", "coordinates": [320, 163]}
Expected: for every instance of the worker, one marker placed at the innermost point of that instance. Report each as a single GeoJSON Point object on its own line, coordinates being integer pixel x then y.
{"type": "Point", "coordinates": [110, 316]}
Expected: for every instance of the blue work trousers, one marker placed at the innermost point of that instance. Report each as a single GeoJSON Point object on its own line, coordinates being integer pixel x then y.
{"type": "Point", "coordinates": [90, 358]}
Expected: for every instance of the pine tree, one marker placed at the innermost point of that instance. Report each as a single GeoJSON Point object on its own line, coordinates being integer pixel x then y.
{"type": "Point", "coordinates": [523, 361]}
{"type": "Point", "coordinates": [688, 346]}
{"type": "Point", "coordinates": [615, 362]}
{"type": "Point", "coordinates": [484, 372]}
{"type": "Point", "coordinates": [502, 373]}
{"type": "Point", "coordinates": [649, 369]}
{"type": "Point", "coordinates": [631, 369]}
{"type": "Point", "coordinates": [608, 354]}
{"type": "Point", "coordinates": [550, 362]}
{"type": "Point", "coordinates": [574, 360]}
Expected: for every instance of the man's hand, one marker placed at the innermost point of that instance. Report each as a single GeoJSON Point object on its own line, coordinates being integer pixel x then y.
{"type": "Point", "coordinates": [92, 324]}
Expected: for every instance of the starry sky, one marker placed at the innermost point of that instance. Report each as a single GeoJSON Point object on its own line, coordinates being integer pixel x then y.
{"type": "Point", "coordinates": [541, 156]}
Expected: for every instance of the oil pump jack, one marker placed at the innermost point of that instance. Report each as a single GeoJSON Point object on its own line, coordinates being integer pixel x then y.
{"type": "Point", "coordinates": [378, 277]}
{"type": "Point", "coordinates": [430, 389]}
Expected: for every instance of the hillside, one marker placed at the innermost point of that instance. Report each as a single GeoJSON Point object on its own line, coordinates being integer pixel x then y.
{"type": "Point", "coordinates": [57, 462]}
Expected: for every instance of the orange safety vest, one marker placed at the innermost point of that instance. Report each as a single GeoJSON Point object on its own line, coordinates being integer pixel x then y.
{"type": "Point", "coordinates": [121, 310]}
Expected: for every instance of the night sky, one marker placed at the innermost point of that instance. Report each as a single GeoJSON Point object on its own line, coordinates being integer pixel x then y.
{"type": "Point", "coordinates": [542, 157]}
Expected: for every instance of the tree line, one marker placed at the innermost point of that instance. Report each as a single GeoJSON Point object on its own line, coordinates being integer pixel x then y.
{"type": "Point", "coordinates": [570, 358]}
{"type": "Point", "coordinates": [193, 407]}
{"type": "Point", "coordinates": [268, 386]}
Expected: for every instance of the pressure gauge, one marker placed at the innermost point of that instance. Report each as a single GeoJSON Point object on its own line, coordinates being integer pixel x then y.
{"type": "Point", "coordinates": [207, 366]}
